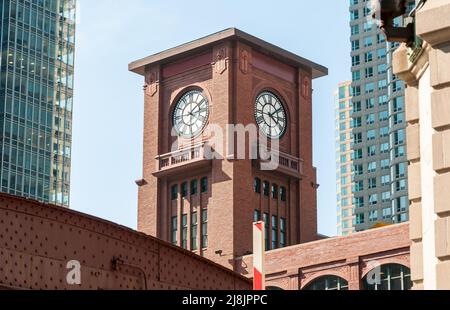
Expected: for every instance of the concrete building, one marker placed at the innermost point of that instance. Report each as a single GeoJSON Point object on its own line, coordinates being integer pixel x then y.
{"type": "Point", "coordinates": [37, 42]}
{"type": "Point", "coordinates": [344, 164]}
{"type": "Point", "coordinates": [378, 160]}
{"type": "Point", "coordinates": [208, 206]}
{"type": "Point", "coordinates": [425, 67]}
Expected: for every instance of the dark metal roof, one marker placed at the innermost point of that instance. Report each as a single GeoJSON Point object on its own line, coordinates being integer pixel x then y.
{"type": "Point", "coordinates": [192, 47]}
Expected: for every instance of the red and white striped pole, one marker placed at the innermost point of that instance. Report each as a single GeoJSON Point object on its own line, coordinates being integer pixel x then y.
{"type": "Point", "coordinates": [259, 279]}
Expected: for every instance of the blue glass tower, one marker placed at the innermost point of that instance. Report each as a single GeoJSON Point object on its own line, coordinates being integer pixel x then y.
{"type": "Point", "coordinates": [37, 42]}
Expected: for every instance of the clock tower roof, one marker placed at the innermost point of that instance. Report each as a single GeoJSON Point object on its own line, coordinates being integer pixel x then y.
{"type": "Point", "coordinates": [195, 46]}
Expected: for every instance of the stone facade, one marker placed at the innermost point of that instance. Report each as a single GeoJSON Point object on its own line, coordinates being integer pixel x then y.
{"type": "Point", "coordinates": [426, 71]}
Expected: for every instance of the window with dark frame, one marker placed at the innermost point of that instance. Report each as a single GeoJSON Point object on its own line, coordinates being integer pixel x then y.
{"type": "Point", "coordinates": [274, 191]}
{"type": "Point", "coordinates": [174, 192]}
{"type": "Point", "coordinates": [174, 230]}
{"type": "Point", "coordinates": [283, 193]}
{"type": "Point", "coordinates": [194, 187]}
{"type": "Point", "coordinates": [256, 216]}
{"type": "Point", "coordinates": [184, 232]}
{"type": "Point", "coordinates": [194, 231]}
{"type": "Point", "coordinates": [184, 190]}
{"type": "Point", "coordinates": [266, 188]}
{"type": "Point", "coordinates": [282, 232]}
{"type": "Point", "coordinates": [204, 228]}
{"type": "Point", "coordinates": [274, 232]}
{"type": "Point", "coordinates": [257, 185]}
{"type": "Point", "coordinates": [204, 185]}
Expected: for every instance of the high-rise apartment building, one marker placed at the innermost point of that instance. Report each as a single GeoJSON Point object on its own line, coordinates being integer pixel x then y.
{"type": "Point", "coordinates": [378, 148]}
{"type": "Point", "coordinates": [344, 170]}
{"type": "Point", "coordinates": [37, 42]}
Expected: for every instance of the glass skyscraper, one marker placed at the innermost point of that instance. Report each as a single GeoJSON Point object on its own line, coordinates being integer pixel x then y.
{"type": "Point", "coordinates": [377, 136]}
{"type": "Point", "coordinates": [37, 41]}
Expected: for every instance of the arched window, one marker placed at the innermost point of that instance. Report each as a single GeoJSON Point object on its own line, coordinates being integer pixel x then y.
{"type": "Point", "coordinates": [391, 277]}
{"type": "Point", "coordinates": [328, 283]}
{"type": "Point", "coordinates": [274, 288]}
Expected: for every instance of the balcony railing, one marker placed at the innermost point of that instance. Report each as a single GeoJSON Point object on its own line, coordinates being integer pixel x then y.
{"type": "Point", "coordinates": [176, 161]}
{"type": "Point", "coordinates": [195, 157]}
{"type": "Point", "coordinates": [287, 164]}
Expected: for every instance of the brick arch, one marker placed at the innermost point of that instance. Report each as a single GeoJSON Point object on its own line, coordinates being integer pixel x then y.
{"type": "Point", "coordinates": [178, 93]}
{"type": "Point", "coordinates": [281, 91]}
{"type": "Point", "coordinates": [386, 261]}
{"type": "Point", "coordinates": [284, 95]}
{"type": "Point", "coordinates": [282, 284]}
{"type": "Point", "coordinates": [274, 286]}
{"type": "Point", "coordinates": [342, 273]}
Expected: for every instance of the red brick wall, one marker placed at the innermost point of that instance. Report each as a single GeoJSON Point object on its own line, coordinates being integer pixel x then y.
{"type": "Point", "coordinates": [37, 241]}
{"type": "Point", "coordinates": [232, 90]}
{"type": "Point", "coordinates": [347, 257]}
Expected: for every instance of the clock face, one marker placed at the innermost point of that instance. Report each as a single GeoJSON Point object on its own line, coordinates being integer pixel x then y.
{"type": "Point", "coordinates": [270, 115]}
{"type": "Point", "coordinates": [191, 114]}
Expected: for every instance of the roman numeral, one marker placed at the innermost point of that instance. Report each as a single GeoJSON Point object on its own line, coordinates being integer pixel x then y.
{"type": "Point", "coordinates": [260, 119]}
{"type": "Point", "coordinates": [280, 118]}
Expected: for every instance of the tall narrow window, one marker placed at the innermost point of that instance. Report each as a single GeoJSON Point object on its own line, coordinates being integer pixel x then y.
{"type": "Point", "coordinates": [204, 185]}
{"type": "Point", "coordinates": [274, 232]}
{"type": "Point", "coordinates": [266, 188]}
{"type": "Point", "coordinates": [267, 231]}
{"type": "Point", "coordinates": [174, 229]}
{"type": "Point", "coordinates": [204, 228]}
{"type": "Point", "coordinates": [257, 216]}
{"type": "Point", "coordinates": [194, 231]}
{"type": "Point", "coordinates": [257, 185]}
{"type": "Point", "coordinates": [282, 232]}
{"type": "Point", "coordinates": [283, 193]}
{"type": "Point", "coordinates": [274, 191]}
{"type": "Point", "coordinates": [174, 192]}
{"type": "Point", "coordinates": [184, 190]}
{"type": "Point", "coordinates": [184, 232]}
{"type": "Point", "coordinates": [194, 187]}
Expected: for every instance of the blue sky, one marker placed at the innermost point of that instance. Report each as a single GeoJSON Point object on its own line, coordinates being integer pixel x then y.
{"type": "Point", "coordinates": [108, 112]}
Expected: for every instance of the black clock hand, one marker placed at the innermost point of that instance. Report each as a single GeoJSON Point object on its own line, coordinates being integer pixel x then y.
{"type": "Point", "coordinates": [279, 110]}
{"type": "Point", "coordinates": [196, 107]}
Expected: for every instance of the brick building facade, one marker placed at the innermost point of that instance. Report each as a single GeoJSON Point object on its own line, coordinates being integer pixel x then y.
{"type": "Point", "coordinates": [39, 244]}
{"type": "Point", "coordinates": [350, 259]}
{"type": "Point", "coordinates": [208, 206]}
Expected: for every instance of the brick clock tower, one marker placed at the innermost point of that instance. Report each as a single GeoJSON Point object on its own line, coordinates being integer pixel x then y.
{"type": "Point", "coordinates": [208, 206]}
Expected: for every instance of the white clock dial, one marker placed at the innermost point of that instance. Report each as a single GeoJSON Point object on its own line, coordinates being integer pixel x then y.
{"type": "Point", "coordinates": [191, 114]}
{"type": "Point", "coordinates": [270, 115]}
